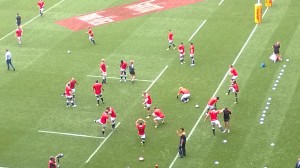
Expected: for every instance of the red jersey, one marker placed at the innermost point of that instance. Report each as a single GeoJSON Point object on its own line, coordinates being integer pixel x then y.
{"type": "Point", "coordinates": [123, 65]}
{"type": "Point", "coordinates": [104, 118]}
{"type": "Point", "coordinates": [213, 115]}
{"type": "Point", "coordinates": [212, 101]}
{"type": "Point", "coordinates": [170, 37]}
{"type": "Point", "coordinates": [19, 32]}
{"type": "Point", "coordinates": [183, 91]}
{"type": "Point", "coordinates": [158, 113]}
{"type": "Point", "coordinates": [112, 112]}
{"type": "Point", "coordinates": [141, 128]}
{"type": "Point", "coordinates": [148, 99]}
{"type": "Point", "coordinates": [233, 72]}
{"type": "Point", "coordinates": [41, 4]}
{"type": "Point", "coordinates": [181, 48]}
{"type": "Point", "coordinates": [103, 67]}
{"type": "Point", "coordinates": [235, 87]}
{"type": "Point", "coordinates": [68, 91]}
{"type": "Point", "coordinates": [91, 32]}
{"type": "Point", "coordinates": [51, 164]}
{"type": "Point", "coordinates": [97, 88]}
{"type": "Point", "coordinates": [192, 49]}
{"type": "Point", "coordinates": [72, 83]}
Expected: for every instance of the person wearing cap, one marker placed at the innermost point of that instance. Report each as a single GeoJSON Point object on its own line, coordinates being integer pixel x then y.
{"type": "Point", "coordinates": [185, 94]}
{"type": "Point", "coordinates": [8, 60]}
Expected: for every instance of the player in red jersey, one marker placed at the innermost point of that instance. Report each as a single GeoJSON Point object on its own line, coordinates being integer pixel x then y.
{"type": "Point", "coordinates": [141, 125]}
{"type": "Point", "coordinates": [111, 112]}
{"type": "Point", "coordinates": [147, 101]}
{"type": "Point", "coordinates": [19, 33]}
{"type": "Point", "coordinates": [158, 116]}
{"type": "Point", "coordinates": [192, 52]}
{"type": "Point", "coordinates": [41, 5]}
{"type": "Point", "coordinates": [69, 96]}
{"type": "Point", "coordinates": [103, 71]}
{"type": "Point", "coordinates": [233, 72]}
{"type": "Point", "coordinates": [73, 82]}
{"type": "Point", "coordinates": [103, 120]}
{"type": "Point", "coordinates": [91, 35]}
{"type": "Point", "coordinates": [181, 53]}
{"type": "Point", "coordinates": [234, 87]}
{"type": "Point", "coordinates": [97, 88]}
{"type": "Point", "coordinates": [123, 68]}
{"type": "Point", "coordinates": [52, 162]}
{"type": "Point", "coordinates": [185, 94]}
{"type": "Point", "coordinates": [214, 119]}
{"type": "Point", "coordinates": [171, 40]}
{"type": "Point", "coordinates": [212, 103]}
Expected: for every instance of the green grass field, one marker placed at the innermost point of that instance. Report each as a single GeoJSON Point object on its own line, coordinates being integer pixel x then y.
{"type": "Point", "coordinates": [30, 96]}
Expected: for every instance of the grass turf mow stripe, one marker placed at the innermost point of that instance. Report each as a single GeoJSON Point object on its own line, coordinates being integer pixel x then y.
{"type": "Point", "coordinates": [218, 88]}
{"type": "Point", "coordinates": [111, 77]}
{"type": "Point", "coordinates": [70, 134]}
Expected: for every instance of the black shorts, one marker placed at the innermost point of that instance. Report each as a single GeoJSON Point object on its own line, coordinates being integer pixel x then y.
{"type": "Point", "coordinates": [276, 52]}
{"type": "Point", "coordinates": [226, 120]}
{"type": "Point", "coordinates": [132, 72]}
{"type": "Point", "coordinates": [18, 23]}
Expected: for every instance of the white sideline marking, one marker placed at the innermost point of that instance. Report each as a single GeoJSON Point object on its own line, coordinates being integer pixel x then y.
{"type": "Point", "coordinates": [156, 78]}
{"type": "Point", "coordinates": [70, 134]}
{"type": "Point", "coordinates": [200, 26]}
{"type": "Point", "coordinates": [225, 76]}
{"type": "Point", "coordinates": [32, 20]}
{"type": "Point", "coordinates": [221, 2]}
{"type": "Point", "coordinates": [101, 144]}
{"type": "Point", "coordinates": [111, 77]}
{"type": "Point", "coordinates": [3, 167]}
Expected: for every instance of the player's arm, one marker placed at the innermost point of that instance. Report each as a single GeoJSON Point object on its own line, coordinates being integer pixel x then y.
{"type": "Point", "coordinates": [206, 117]}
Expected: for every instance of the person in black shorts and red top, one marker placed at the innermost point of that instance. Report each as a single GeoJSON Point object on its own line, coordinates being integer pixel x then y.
{"type": "Point", "coordinates": [276, 48]}
{"type": "Point", "coordinates": [227, 114]}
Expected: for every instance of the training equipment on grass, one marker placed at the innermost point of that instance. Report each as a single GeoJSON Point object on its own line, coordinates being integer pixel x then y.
{"type": "Point", "coordinates": [197, 106]}
{"type": "Point", "coordinates": [68, 51]}
{"type": "Point", "coordinates": [141, 158]}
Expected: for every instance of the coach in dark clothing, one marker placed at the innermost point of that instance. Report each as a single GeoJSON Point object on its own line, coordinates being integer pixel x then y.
{"type": "Point", "coordinates": [18, 19]}
{"type": "Point", "coordinates": [182, 142]}
{"type": "Point", "coordinates": [298, 163]}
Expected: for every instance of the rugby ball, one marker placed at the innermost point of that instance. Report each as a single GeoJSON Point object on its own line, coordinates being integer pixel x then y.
{"type": "Point", "coordinates": [197, 106]}
{"type": "Point", "coordinates": [141, 158]}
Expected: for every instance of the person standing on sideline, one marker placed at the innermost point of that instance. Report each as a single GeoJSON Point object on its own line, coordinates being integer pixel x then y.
{"type": "Point", "coordinates": [8, 60]}
{"type": "Point", "coordinates": [227, 114]}
{"type": "Point", "coordinates": [182, 135]}
{"type": "Point", "coordinates": [141, 125]}
{"type": "Point", "coordinates": [103, 71]}
{"type": "Point", "coordinates": [276, 48]}
{"type": "Point", "coordinates": [41, 5]}
{"type": "Point", "coordinates": [132, 71]}
{"type": "Point", "coordinates": [192, 52]}
{"type": "Point", "coordinates": [19, 33]}
{"type": "Point", "coordinates": [171, 40]}
{"type": "Point", "coordinates": [18, 20]}
{"type": "Point", "coordinates": [298, 163]}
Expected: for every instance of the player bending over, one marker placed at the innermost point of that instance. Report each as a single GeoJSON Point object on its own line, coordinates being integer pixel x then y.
{"type": "Point", "coordinates": [158, 116]}
{"type": "Point", "coordinates": [185, 94]}
{"type": "Point", "coordinates": [212, 103]}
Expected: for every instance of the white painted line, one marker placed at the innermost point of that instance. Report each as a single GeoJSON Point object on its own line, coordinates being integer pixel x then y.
{"type": "Point", "coordinates": [3, 167]}
{"type": "Point", "coordinates": [32, 20]}
{"type": "Point", "coordinates": [111, 77]}
{"type": "Point", "coordinates": [200, 26]}
{"type": "Point", "coordinates": [156, 78]}
{"type": "Point", "coordinates": [221, 83]}
{"type": "Point", "coordinates": [70, 134]}
{"type": "Point", "coordinates": [221, 2]}
{"type": "Point", "coordinates": [101, 144]}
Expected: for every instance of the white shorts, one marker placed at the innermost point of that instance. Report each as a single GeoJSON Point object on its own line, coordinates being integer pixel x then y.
{"type": "Point", "coordinates": [147, 105]}
{"type": "Point", "coordinates": [210, 107]}
{"type": "Point", "coordinates": [192, 55]}
{"type": "Point", "coordinates": [104, 74]}
{"type": "Point", "coordinates": [73, 90]}
{"type": "Point", "coordinates": [19, 38]}
{"type": "Point", "coordinates": [98, 95]}
{"type": "Point", "coordinates": [143, 136]}
{"type": "Point", "coordinates": [273, 57]}
{"type": "Point", "coordinates": [234, 77]}
{"type": "Point", "coordinates": [233, 90]}
{"type": "Point", "coordinates": [69, 97]}
{"type": "Point", "coordinates": [170, 41]}
{"type": "Point", "coordinates": [158, 118]}
{"type": "Point", "coordinates": [41, 9]}
{"type": "Point", "coordinates": [184, 96]}
{"type": "Point", "coordinates": [99, 121]}
{"type": "Point", "coordinates": [216, 122]}
{"type": "Point", "coordinates": [90, 37]}
{"type": "Point", "coordinates": [112, 119]}
{"type": "Point", "coordinates": [181, 55]}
